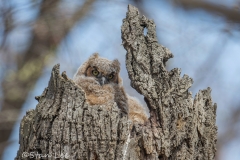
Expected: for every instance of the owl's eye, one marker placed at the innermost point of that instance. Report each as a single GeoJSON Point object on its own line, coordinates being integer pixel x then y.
{"type": "Point", "coordinates": [110, 76]}
{"type": "Point", "coordinates": [95, 72]}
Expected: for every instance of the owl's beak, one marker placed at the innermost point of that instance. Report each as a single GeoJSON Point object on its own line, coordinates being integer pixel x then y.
{"type": "Point", "coordinates": [102, 81]}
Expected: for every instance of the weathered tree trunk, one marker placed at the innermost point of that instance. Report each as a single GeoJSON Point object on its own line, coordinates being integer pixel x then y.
{"type": "Point", "coordinates": [179, 127]}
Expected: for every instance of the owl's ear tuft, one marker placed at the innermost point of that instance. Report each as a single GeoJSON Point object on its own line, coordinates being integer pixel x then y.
{"type": "Point", "coordinates": [116, 64]}
{"type": "Point", "coordinates": [95, 55]}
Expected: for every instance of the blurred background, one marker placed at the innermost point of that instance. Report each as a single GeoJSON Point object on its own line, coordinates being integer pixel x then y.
{"type": "Point", "coordinates": [204, 36]}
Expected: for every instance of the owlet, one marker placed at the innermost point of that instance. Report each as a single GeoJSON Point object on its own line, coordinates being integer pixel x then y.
{"type": "Point", "coordinates": [100, 79]}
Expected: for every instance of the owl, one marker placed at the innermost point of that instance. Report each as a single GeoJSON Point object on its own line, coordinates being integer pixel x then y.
{"type": "Point", "coordinates": [102, 84]}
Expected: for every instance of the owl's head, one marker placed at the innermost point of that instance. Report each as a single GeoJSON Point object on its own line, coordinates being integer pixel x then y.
{"type": "Point", "coordinates": [103, 70]}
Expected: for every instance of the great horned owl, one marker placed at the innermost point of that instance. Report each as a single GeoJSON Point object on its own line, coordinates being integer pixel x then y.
{"type": "Point", "coordinates": [100, 79]}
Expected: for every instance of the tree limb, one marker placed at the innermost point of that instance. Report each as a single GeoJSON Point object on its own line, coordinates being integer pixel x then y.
{"type": "Point", "coordinates": [229, 14]}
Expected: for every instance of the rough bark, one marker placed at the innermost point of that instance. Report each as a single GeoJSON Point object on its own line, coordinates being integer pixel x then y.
{"type": "Point", "coordinates": [63, 124]}
{"type": "Point", "coordinates": [179, 127]}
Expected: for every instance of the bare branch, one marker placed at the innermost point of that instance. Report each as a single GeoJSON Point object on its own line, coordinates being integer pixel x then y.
{"type": "Point", "coordinates": [230, 14]}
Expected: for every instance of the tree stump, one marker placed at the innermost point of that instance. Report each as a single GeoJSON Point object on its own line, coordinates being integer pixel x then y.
{"type": "Point", "coordinates": [65, 126]}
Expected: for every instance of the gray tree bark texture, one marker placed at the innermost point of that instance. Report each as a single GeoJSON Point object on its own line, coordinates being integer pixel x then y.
{"type": "Point", "coordinates": [65, 126]}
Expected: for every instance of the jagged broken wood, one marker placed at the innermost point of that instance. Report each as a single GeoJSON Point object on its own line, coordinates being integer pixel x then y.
{"type": "Point", "coordinates": [179, 127]}
{"type": "Point", "coordinates": [63, 124]}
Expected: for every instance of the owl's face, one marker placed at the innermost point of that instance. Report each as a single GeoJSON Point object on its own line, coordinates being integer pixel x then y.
{"type": "Point", "coordinates": [103, 70]}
